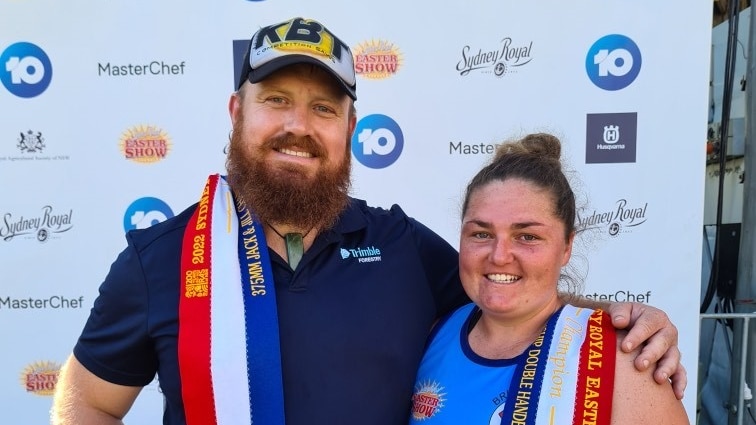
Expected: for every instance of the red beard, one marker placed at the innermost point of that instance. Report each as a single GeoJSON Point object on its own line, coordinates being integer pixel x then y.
{"type": "Point", "coordinates": [287, 195]}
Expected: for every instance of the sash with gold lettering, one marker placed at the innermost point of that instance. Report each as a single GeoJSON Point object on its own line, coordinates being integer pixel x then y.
{"type": "Point", "coordinates": [567, 374]}
{"type": "Point", "coordinates": [228, 348]}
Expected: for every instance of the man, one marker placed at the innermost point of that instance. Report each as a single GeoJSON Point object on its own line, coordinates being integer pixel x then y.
{"type": "Point", "coordinates": [338, 337]}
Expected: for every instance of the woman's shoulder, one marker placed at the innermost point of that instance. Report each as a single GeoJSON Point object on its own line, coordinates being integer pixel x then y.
{"type": "Point", "coordinates": [634, 388]}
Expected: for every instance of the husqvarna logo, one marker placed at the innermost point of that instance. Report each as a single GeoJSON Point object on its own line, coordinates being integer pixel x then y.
{"type": "Point", "coordinates": [611, 137]}
{"type": "Point", "coordinates": [611, 134]}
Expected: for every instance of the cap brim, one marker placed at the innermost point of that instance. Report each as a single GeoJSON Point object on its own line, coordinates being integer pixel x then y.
{"type": "Point", "coordinates": [263, 71]}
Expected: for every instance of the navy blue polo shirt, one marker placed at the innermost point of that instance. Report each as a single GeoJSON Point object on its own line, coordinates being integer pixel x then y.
{"type": "Point", "coordinates": [353, 317]}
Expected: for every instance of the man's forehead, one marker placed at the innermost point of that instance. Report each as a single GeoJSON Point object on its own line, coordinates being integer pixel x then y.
{"type": "Point", "coordinates": [304, 73]}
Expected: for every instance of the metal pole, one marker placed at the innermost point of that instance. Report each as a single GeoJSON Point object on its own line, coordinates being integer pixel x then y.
{"type": "Point", "coordinates": [746, 277]}
{"type": "Point", "coordinates": [739, 378]}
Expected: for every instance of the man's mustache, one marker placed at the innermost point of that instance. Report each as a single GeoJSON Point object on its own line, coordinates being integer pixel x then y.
{"type": "Point", "coordinates": [289, 141]}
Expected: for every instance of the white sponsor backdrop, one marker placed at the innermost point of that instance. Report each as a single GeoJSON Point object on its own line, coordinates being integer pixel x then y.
{"type": "Point", "coordinates": [82, 78]}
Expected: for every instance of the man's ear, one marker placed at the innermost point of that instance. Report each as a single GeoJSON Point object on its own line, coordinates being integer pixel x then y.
{"type": "Point", "coordinates": [352, 125]}
{"type": "Point", "coordinates": [234, 106]}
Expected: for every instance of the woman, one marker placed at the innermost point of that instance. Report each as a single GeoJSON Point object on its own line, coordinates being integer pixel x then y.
{"type": "Point", "coordinates": [518, 355]}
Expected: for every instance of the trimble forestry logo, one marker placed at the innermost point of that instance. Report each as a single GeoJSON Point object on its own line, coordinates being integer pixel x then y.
{"type": "Point", "coordinates": [427, 400]}
{"type": "Point", "coordinates": [363, 255]}
{"type": "Point", "coordinates": [40, 378]}
{"type": "Point", "coordinates": [145, 144]}
{"type": "Point", "coordinates": [377, 59]}
{"type": "Point", "coordinates": [624, 217]}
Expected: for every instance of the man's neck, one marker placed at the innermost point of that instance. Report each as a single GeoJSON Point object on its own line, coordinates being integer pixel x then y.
{"type": "Point", "coordinates": [288, 241]}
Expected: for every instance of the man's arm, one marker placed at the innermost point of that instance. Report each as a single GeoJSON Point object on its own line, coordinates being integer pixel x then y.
{"type": "Point", "coordinates": [83, 398]}
{"type": "Point", "coordinates": [650, 328]}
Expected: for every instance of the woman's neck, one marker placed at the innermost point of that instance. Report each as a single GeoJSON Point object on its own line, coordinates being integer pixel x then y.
{"type": "Point", "coordinates": [497, 338]}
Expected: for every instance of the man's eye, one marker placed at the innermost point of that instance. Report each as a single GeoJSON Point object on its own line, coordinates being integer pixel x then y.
{"type": "Point", "coordinates": [324, 109]}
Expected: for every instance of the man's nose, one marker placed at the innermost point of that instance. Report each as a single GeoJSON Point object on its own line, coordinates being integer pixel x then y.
{"type": "Point", "coordinates": [298, 121]}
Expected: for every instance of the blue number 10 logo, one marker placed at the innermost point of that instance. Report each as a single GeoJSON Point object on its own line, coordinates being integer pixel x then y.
{"type": "Point", "coordinates": [25, 69]}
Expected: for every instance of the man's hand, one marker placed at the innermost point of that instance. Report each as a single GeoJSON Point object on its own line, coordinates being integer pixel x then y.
{"type": "Point", "coordinates": [650, 327]}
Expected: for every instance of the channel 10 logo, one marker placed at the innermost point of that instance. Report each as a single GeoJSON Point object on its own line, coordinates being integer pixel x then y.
{"type": "Point", "coordinates": [613, 62]}
{"type": "Point", "coordinates": [25, 69]}
{"type": "Point", "coordinates": [377, 141]}
{"type": "Point", "coordinates": [146, 212]}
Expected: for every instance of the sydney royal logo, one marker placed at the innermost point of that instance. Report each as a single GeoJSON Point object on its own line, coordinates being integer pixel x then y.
{"type": "Point", "coordinates": [42, 227]}
{"type": "Point", "coordinates": [507, 58]}
{"type": "Point", "coordinates": [623, 218]}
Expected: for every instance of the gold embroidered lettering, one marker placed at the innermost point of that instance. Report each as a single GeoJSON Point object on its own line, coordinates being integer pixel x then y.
{"type": "Point", "coordinates": [203, 207]}
{"type": "Point", "coordinates": [196, 283]}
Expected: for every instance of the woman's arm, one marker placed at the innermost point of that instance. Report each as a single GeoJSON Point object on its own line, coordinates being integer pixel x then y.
{"type": "Point", "coordinates": [648, 328]}
{"type": "Point", "coordinates": [638, 399]}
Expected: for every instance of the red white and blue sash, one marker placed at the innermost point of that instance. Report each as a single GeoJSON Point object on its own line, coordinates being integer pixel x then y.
{"type": "Point", "coordinates": [228, 347]}
{"type": "Point", "coordinates": [546, 389]}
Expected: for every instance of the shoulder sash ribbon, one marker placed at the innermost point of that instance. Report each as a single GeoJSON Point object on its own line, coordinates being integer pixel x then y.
{"type": "Point", "coordinates": [546, 389]}
{"type": "Point", "coordinates": [228, 341]}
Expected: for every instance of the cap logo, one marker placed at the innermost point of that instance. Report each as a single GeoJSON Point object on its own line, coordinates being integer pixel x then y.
{"type": "Point", "coordinates": [294, 41]}
{"type": "Point", "coordinates": [300, 35]}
